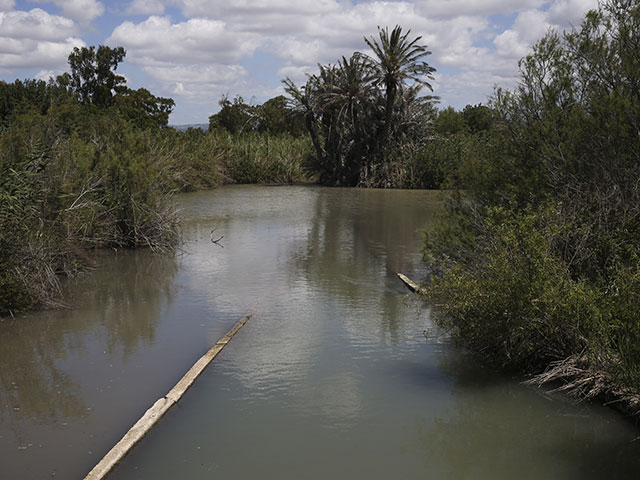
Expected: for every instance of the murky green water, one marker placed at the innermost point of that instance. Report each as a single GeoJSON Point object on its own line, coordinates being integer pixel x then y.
{"type": "Point", "coordinates": [332, 377]}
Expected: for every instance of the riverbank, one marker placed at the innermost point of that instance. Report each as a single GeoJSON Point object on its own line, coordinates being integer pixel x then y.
{"type": "Point", "coordinates": [536, 261]}
{"type": "Point", "coordinates": [572, 377]}
{"type": "Point", "coordinates": [76, 179]}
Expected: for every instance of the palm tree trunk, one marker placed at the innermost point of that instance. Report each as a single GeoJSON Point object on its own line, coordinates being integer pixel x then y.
{"type": "Point", "coordinates": [314, 138]}
{"type": "Point", "coordinates": [388, 113]}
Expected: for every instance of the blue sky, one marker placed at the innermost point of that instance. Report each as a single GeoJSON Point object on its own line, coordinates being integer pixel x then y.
{"type": "Point", "coordinates": [194, 51]}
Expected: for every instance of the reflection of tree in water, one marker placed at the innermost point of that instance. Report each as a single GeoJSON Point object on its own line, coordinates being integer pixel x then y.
{"type": "Point", "coordinates": [31, 385]}
{"type": "Point", "coordinates": [118, 305]}
{"type": "Point", "coordinates": [496, 428]}
{"type": "Point", "coordinates": [128, 296]}
{"type": "Point", "coordinates": [358, 236]}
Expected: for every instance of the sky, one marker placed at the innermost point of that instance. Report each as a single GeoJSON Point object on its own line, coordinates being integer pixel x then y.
{"type": "Point", "coordinates": [195, 51]}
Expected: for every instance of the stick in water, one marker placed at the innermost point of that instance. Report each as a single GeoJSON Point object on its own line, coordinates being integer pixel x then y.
{"type": "Point", "coordinates": [151, 416]}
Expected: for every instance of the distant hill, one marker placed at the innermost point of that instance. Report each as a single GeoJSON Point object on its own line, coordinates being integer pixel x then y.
{"type": "Point", "coordinates": [201, 126]}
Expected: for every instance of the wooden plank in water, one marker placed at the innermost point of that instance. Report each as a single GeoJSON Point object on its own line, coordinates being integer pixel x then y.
{"type": "Point", "coordinates": [158, 409]}
{"type": "Point", "coordinates": [411, 285]}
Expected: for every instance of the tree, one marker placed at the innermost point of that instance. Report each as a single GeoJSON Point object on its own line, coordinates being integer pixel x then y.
{"type": "Point", "coordinates": [234, 116]}
{"type": "Point", "coordinates": [36, 95]}
{"type": "Point", "coordinates": [351, 108]}
{"type": "Point", "coordinates": [478, 118]}
{"type": "Point", "coordinates": [304, 102]}
{"type": "Point", "coordinates": [93, 78]}
{"type": "Point", "coordinates": [275, 117]}
{"type": "Point", "coordinates": [143, 108]}
{"type": "Point", "coordinates": [449, 122]}
{"type": "Point", "coordinates": [397, 60]}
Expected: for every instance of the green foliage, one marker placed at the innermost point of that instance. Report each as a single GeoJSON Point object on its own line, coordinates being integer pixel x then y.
{"type": "Point", "coordinates": [273, 117]}
{"type": "Point", "coordinates": [449, 122]}
{"type": "Point", "coordinates": [144, 109]}
{"type": "Point", "coordinates": [514, 300]}
{"type": "Point", "coordinates": [234, 116]}
{"type": "Point", "coordinates": [93, 78]}
{"type": "Point", "coordinates": [28, 95]}
{"type": "Point", "coordinates": [255, 158]}
{"type": "Point", "coordinates": [396, 60]}
{"type": "Point", "coordinates": [538, 259]}
{"type": "Point", "coordinates": [72, 179]}
{"type": "Point", "coordinates": [478, 118]}
{"type": "Point", "coordinates": [363, 113]}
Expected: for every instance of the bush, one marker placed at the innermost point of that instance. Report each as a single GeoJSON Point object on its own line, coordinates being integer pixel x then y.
{"type": "Point", "coordinates": [64, 188]}
{"type": "Point", "coordinates": [517, 303]}
{"type": "Point", "coordinates": [536, 258]}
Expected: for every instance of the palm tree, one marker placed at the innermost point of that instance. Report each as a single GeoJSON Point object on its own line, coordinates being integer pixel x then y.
{"type": "Point", "coordinates": [304, 102]}
{"type": "Point", "coordinates": [348, 100]}
{"type": "Point", "coordinates": [397, 60]}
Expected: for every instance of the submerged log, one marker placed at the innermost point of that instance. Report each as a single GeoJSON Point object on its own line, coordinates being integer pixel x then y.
{"type": "Point", "coordinates": [411, 285]}
{"type": "Point", "coordinates": [160, 407]}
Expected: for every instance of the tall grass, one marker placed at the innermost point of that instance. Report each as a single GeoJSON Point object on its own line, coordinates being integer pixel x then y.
{"type": "Point", "coordinates": [65, 189]}
{"type": "Point", "coordinates": [261, 158]}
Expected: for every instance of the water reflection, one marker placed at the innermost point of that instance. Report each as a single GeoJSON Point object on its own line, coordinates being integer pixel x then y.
{"type": "Point", "coordinates": [489, 430]}
{"type": "Point", "coordinates": [48, 359]}
{"type": "Point", "coordinates": [130, 291]}
{"type": "Point", "coordinates": [32, 386]}
{"type": "Point", "coordinates": [357, 237]}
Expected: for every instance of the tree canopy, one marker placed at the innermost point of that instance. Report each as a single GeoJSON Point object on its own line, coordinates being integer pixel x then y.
{"type": "Point", "coordinates": [273, 117]}
{"type": "Point", "coordinates": [362, 108]}
{"type": "Point", "coordinates": [92, 77]}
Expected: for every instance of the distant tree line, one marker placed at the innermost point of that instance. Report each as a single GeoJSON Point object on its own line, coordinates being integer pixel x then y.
{"type": "Point", "coordinates": [273, 117]}
{"type": "Point", "coordinates": [92, 81]}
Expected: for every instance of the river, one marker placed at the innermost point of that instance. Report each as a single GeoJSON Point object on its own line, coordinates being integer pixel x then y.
{"type": "Point", "coordinates": [339, 374]}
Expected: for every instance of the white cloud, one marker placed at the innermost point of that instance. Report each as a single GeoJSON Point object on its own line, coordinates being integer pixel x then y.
{"type": "Point", "coordinates": [179, 89]}
{"type": "Point", "coordinates": [198, 74]}
{"type": "Point", "coordinates": [35, 39]}
{"type": "Point", "coordinates": [255, 8]}
{"type": "Point", "coordinates": [297, 74]}
{"type": "Point", "coordinates": [35, 24]}
{"type": "Point", "coordinates": [6, 5]}
{"type": "Point", "coordinates": [569, 13]}
{"type": "Point", "coordinates": [508, 44]}
{"type": "Point", "coordinates": [455, 8]}
{"type": "Point", "coordinates": [82, 10]}
{"type": "Point", "coordinates": [531, 25]}
{"type": "Point", "coordinates": [145, 7]}
{"type": "Point", "coordinates": [32, 54]}
{"type": "Point", "coordinates": [45, 75]}
{"type": "Point", "coordinates": [202, 41]}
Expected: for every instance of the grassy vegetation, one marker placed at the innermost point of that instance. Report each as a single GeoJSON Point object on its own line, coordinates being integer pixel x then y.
{"type": "Point", "coordinates": [536, 262]}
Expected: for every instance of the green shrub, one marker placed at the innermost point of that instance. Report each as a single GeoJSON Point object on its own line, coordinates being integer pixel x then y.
{"type": "Point", "coordinates": [517, 303]}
